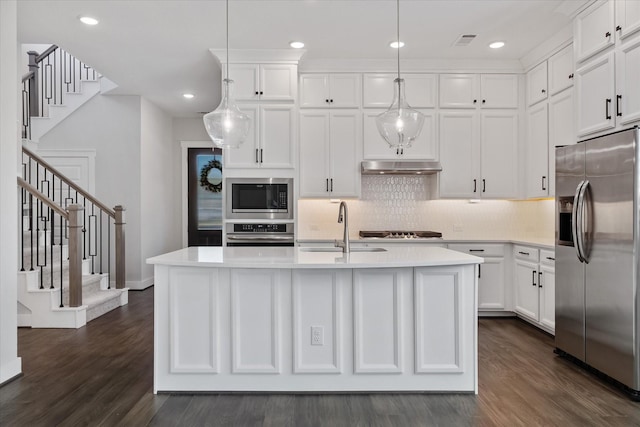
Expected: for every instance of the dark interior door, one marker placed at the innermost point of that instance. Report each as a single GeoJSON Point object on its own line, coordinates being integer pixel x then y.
{"type": "Point", "coordinates": [205, 197]}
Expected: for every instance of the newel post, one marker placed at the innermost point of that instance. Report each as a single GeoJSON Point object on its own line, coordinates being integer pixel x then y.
{"type": "Point", "coordinates": [120, 253]}
{"type": "Point", "coordinates": [33, 86]}
{"type": "Point", "coordinates": [75, 255]}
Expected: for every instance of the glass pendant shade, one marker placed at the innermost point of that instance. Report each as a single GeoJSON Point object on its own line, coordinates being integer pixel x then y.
{"type": "Point", "coordinates": [400, 125]}
{"type": "Point", "coordinates": [227, 126]}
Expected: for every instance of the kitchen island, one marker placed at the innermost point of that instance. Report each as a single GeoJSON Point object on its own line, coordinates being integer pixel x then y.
{"type": "Point", "coordinates": [288, 319]}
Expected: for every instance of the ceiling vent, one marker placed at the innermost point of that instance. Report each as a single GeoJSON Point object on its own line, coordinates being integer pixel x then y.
{"type": "Point", "coordinates": [464, 39]}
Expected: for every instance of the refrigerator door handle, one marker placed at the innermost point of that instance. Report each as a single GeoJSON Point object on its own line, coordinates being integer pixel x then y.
{"type": "Point", "coordinates": [575, 229]}
{"type": "Point", "coordinates": [584, 215]}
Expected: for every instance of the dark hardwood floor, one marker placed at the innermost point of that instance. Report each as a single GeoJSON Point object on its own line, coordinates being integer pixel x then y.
{"type": "Point", "coordinates": [101, 375]}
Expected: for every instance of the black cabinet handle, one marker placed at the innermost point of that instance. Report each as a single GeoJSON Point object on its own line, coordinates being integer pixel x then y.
{"type": "Point", "coordinates": [533, 278]}
{"type": "Point", "coordinates": [257, 93]}
{"type": "Point", "coordinates": [607, 104]}
{"type": "Point", "coordinates": [539, 279]}
{"type": "Point", "coordinates": [397, 151]}
{"type": "Point", "coordinates": [523, 253]}
{"type": "Point", "coordinates": [257, 156]}
{"type": "Point", "coordinates": [544, 91]}
{"type": "Point", "coordinates": [474, 185]}
{"type": "Point", "coordinates": [476, 250]}
{"type": "Point", "coordinates": [618, 109]}
{"type": "Point", "coordinates": [607, 34]}
{"type": "Point", "coordinates": [484, 185]}
{"type": "Point", "coordinates": [261, 93]}
{"type": "Point", "coordinates": [261, 155]}
{"type": "Point", "coordinates": [571, 75]}
{"type": "Point", "coordinates": [326, 100]}
{"type": "Point", "coordinates": [551, 258]}
{"type": "Point", "coordinates": [332, 185]}
{"type": "Point", "coordinates": [479, 271]}
{"type": "Point", "coordinates": [484, 101]}
{"type": "Point", "coordinates": [327, 184]}
{"type": "Point", "coordinates": [475, 101]}
{"type": "Point", "coordinates": [618, 28]}
{"type": "Point", "coordinates": [331, 101]}
{"type": "Point", "coordinates": [544, 178]}
{"type": "Point", "coordinates": [402, 151]}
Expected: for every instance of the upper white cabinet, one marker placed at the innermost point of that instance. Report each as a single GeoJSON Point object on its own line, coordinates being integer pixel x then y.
{"type": "Point", "coordinates": [420, 90]}
{"type": "Point", "coordinates": [560, 71]}
{"type": "Point", "coordinates": [264, 82]}
{"type": "Point", "coordinates": [478, 90]}
{"type": "Point", "coordinates": [537, 159]}
{"type": "Point", "coordinates": [270, 141]}
{"type": "Point", "coordinates": [627, 17]}
{"type": "Point", "coordinates": [330, 90]}
{"type": "Point", "coordinates": [478, 153]}
{"type": "Point", "coordinates": [329, 153]}
{"type": "Point", "coordinates": [376, 148]}
{"type": "Point", "coordinates": [594, 30]}
{"type": "Point", "coordinates": [607, 88]}
{"type": "Point", "coordinates": [537, 84]}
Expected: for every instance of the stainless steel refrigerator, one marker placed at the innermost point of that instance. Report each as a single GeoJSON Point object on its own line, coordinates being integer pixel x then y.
{"type": "Point", "coordinates": [597, 255]}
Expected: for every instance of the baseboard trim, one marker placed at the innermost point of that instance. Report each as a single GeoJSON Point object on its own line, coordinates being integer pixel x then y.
{"type": "Point", "coordinates": [139, 285]}
{"type": "Point", "coordinates": [11, 371]}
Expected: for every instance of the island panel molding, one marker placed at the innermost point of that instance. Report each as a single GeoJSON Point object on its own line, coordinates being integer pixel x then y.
{"type": "Point", "coordinates": [377, 316]}
{"type": "Point", "coordinates": [438, 319]}
{"type": "Point", "coordinates": [195, 329]}
{"type": "Point", "coordinates": [255, 325]}
{"type": "Point", "coordinates": [317, 302]}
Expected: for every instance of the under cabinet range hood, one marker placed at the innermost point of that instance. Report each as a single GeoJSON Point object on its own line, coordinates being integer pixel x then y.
{"type": "Point", "coordinates": [405, 167]}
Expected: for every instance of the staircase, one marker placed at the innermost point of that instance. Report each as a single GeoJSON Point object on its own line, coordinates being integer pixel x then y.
{"type": "Point", "coordinates": [69, 238]}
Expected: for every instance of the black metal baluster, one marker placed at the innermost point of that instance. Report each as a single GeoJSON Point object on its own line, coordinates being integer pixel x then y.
{"type": "Point", "coordinates": [38, 211]}
{"type": "Point", "coordinates": [30, 215]}
{"type": "Point", "coordinates": [84, 227]}
{"type": "Point", "coordinates": [100, 240]}
{"type": "Point", "coordinates": [109, 252]}
{"type": "Point", "coordinates": [51, 221]}
{"type": "Point", "coordinates": [92, 239]}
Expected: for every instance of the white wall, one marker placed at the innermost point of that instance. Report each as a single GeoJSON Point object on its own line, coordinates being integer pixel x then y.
{"type": "Point", "coordinates": [160, 190]}
{"type": "Point", "coordinates": [10, 363]}
{"type": "Point", "coordinates": [111, 126]}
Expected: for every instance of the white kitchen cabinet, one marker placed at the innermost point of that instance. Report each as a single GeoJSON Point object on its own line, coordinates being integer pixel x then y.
{"type": "Point", "coordinates": [535, 286]}
{"type": "Point", "coordinates": [594, 30]}
{"type": "Point", "coordinates": [627, 17]}
{"type": "Point", "coordinates": [264, 82]}
{"type": "Point", "coordinates": [595, 88]}
{"type": "Point", "coordinates": [270, 143]}
{"type": "Point", "coordinates": [491, 274]}
{"type": "Point", "coordinates": [329, 153]}
{"type": "Point", "coordinates": [537, 84]}
{"type": "Point", "coordinates": [561, 129]}
{"type": "Point", "coordinates": [627, 102]}
{"type": "Point", "coordinates": [478, 153]}
{"type": "Point", "coordinates": [339, 90]}
{"type": "Point", "coordinates": [376, 148]}
{"type": "Point", "coordinates": [560, 71]}
{"type": "Point", "coordinates": [478, 91]}
{"type": "Point", "coordinates": [420, 90]}
{"type": "Point", "coordinates": [537, 158]}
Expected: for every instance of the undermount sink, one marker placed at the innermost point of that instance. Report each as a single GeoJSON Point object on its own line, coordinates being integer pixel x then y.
{"type": "Point", "coordinates": [366, 249]}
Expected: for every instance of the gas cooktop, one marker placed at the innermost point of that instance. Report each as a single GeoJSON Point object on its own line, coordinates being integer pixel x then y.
{"type": "Point", "coordinates": [400, 235]}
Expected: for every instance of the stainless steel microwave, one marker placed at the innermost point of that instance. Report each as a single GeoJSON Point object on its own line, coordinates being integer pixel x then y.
{"type": "Point", "coordinates": [259, 198]}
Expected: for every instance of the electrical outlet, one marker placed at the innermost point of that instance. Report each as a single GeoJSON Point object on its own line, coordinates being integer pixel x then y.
{"type": "Point", "coordinates": [317, 335]}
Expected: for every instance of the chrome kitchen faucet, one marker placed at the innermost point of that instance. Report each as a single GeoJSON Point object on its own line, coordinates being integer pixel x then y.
{"type": "Point", "coordinates": [344, 218]}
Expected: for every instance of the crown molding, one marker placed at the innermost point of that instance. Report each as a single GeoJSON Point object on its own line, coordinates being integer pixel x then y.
{"type": "Point", "coordinates": [251, 56]}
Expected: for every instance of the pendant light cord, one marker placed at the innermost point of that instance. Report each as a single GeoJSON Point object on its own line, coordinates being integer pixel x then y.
{"type": "Point", "coordinates": [227, 10]}
{"type": "Point", "coordinates": [398, 33]}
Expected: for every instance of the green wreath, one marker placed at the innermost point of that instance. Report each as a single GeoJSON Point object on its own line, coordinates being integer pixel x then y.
{"type": "Point", "coordinates": [204, 177]}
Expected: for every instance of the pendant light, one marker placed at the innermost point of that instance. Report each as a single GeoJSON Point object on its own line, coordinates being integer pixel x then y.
{"type": "Point", "coordinates": [227, 126]}
{"type": "Point", "coordinates": [400, 124]}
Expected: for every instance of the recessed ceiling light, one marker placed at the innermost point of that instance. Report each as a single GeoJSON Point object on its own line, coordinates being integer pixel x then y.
{"type": "Point", "coordinates": [296, 45]}
{"type": "Point", "coordinates": [496, 45]}
{"type": "Point", "coordinates": [396, 45]}
{"type": "Point", "coordinates": [88, 20]}
{"type": "Point", "coordinates": [188, 95]}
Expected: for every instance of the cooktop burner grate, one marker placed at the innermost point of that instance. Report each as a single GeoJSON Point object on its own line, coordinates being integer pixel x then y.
{"type": "Point", "coordinates": [401, 234]}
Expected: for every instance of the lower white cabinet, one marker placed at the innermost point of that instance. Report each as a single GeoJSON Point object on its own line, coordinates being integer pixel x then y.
{"type": "Point", "coordinates": [491, 274]}
{"type": "Point", "coordinates": [535, 286]}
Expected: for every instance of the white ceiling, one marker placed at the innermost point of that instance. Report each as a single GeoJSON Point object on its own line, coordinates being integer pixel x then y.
{"type": "Point", "coordinates": [160, 49]}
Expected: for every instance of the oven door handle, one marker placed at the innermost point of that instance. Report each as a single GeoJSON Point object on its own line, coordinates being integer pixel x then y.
{"type": "Point", "coordinates": [259, 238]}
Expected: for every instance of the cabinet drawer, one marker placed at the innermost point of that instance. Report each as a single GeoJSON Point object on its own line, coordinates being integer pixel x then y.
{"type": "Point", "coordinates": [526, 252]}
{"type": "Point", "coordinates": [479, 249]}
{"type": "Point", "coordinates": [547, 257]}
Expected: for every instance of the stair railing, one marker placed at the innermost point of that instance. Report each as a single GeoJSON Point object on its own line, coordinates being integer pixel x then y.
{"type": "Point", "coordinates": [99, 240]}
{"type": "Point", "coordinates": [46, 212]}
{"type": "Point", "coordinates": [52, 74]}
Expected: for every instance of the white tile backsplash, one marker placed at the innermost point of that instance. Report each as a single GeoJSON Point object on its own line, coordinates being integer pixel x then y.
{"type": "Point", "coordinates": [403, 203]}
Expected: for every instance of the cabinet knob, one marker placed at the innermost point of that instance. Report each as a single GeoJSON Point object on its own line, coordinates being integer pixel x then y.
{"type": "Point", "coordinates": [544, 91]}
{"type": "Point", "coordinates": [475, 101]}
{"type": "Point", "coordinates": [571, 75]}
{"type": "Point", "coordinates": [607, 34]}
{"type": "Point", "coordinates": [331, 100]}
{"type": "Point", "coordinates": [326, 100]}
{"type": "Point", "coordinates": [257, 93]}
{"type": "Point", "coordinates": [618, 28]}
{"type": "Point", "coordinates": [261, 93]}
{"type": "Point", "coordinates": [484, 101]}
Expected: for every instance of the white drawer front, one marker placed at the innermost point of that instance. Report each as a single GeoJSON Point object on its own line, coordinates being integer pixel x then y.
{"type": "Point", "coordinates": [547, 257]}
{"type": "Point", "coordinates": [526, 252]}
{"type": "Point", "coordinates": [479, 249]}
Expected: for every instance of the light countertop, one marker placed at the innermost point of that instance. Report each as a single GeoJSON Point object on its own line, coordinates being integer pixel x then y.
{"type": "Point", "coordinates": [297, 258]}
{"type": "Point", "coordinates": [543, 243]}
